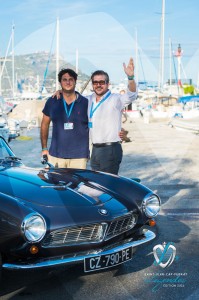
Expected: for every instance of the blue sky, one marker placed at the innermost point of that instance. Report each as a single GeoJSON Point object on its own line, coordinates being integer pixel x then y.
{"type": "Point", "coordinates": [104, 31]}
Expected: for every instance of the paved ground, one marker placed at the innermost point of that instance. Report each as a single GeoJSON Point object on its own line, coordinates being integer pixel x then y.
{"type": "Point", "coordinates": [166, 160]}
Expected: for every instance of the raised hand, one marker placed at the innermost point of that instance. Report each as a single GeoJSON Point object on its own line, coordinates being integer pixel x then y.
{"type": "Point", "coordinates": [129, 69]}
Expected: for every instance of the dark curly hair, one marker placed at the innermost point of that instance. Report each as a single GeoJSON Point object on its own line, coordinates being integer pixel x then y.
{"type": "Point", "coordinates": [69, 71]}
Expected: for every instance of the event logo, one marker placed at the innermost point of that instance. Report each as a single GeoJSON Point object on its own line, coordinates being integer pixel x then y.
{"type": "Point", "coordinates": [164, 254]}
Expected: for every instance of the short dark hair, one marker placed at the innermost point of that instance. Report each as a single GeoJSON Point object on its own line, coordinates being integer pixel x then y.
{"type": "Point", "coordinates": [69, 71]}
{"type": "Point", "coordinates": [100, 72]}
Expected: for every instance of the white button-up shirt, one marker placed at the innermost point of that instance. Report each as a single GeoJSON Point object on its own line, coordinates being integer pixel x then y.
{"type": "Point", "coordinates": [107, 118]}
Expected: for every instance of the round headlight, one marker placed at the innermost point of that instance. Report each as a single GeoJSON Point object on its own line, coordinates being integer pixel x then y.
{"type": "Point", "coordinates": [34, 227]}
{"type": "Point", "coordinates": [151, 205]}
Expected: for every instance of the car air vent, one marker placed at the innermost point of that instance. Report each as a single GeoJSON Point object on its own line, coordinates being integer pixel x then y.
{"type": "Point", "coordinates": [70, 236]}
{"type": "Point", "coordinates": [120, 225]}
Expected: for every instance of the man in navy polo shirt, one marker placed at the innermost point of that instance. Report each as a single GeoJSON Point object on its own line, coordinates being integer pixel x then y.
{"type": "Point", "coordinates": [70, 134]}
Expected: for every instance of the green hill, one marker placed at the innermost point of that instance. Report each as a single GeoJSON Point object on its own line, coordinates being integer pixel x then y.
{"type": "Point", "coordinates": [32, 70]}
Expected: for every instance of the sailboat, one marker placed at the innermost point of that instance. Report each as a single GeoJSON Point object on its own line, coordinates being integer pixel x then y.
{"type": "Point", "coordinates": [3, 64]}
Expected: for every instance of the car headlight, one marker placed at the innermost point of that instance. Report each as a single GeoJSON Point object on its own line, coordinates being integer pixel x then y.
{"type": "Point", "coordinates": [34, 227]}
{"type": "Point", "coordinates": [151, 205]}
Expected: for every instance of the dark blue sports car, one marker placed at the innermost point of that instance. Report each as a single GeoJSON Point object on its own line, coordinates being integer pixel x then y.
{"type": "Point", "coordinates": [52, 216]}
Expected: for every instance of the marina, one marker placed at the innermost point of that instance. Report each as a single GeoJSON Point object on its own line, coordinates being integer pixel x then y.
{"type": "Point", "coordinates": [22, 95]}
{"type": "Point", "coordinates": [160, 148]}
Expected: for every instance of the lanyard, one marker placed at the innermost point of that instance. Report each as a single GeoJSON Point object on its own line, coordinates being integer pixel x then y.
{"type": "Point", "coordinates": [68, 113]}
{"type": "Point", "coordinates": [101, 101]}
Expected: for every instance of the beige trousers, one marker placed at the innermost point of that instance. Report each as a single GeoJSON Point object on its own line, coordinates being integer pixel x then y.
{"type": "Point", "coordinates": [76, 163]}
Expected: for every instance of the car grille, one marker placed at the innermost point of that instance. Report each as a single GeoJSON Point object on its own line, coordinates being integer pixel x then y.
{"type": "Point", "coordinates": [121, 225]}
{"type": "Point", "coordinates": [93, 233]}
{"type": "Point", "coordinates": [78, 235]}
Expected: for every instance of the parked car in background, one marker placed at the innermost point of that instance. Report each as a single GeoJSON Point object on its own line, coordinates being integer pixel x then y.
{"type": "Point", "coordinates": [52, 217]}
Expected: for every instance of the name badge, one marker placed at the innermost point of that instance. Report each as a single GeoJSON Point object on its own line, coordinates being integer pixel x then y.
{"type": "Point", "coordinates": [90, 125]}
{"type": "Point", "coordinates": [68, 126]}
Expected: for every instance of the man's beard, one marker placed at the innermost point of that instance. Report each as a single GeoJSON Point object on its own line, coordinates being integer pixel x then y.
{"type": "Point", "coordinates": [100, 92]}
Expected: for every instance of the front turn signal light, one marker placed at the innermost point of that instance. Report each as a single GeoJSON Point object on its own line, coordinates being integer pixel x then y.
{"type": "Point", "coordinates": [152, 222]}
{"type": "Point", "coordinates": [34, 249]}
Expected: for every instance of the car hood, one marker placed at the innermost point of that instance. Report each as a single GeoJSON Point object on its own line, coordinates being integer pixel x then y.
{"type": "Point", "coordinates": [71, 195]}
{"type": "Point", "coordinates": [58, 187]}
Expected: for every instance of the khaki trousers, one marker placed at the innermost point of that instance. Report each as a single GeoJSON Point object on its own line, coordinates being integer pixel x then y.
{"type": "Point", "coordinates": [76, 163]}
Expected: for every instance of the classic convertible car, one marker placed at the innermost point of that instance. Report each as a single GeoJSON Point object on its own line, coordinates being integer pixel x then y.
{"type": "Point", "coordinates": [52, 216]}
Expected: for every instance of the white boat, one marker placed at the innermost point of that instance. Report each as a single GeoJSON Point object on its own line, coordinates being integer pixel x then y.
{"type": "Point", "coordinates": [186, 124]}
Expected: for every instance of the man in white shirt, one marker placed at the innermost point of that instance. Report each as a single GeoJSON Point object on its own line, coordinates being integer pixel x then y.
{"type": "Point", "coordinates": [105, 118]}
{"type": "Point", "coordinates": [105, 113]}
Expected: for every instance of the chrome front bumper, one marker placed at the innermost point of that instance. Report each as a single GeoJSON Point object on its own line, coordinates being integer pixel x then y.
{"type": "Point", "coordinates": [79, 257]}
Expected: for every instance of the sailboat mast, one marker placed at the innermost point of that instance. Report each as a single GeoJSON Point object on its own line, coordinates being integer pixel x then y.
{"type": "Point", "coordinates": [170, 62]}
{"type": "Point", "coordinates": [161, 71]}
{"type": "Point", "coordinates": [13, 62]}
{"type": "Point", "coordinates": [57, 54]}
{"type": "Point", "coordinates": [0, 75]}
{"type": "Point", "coordinates": [76, 65]}
{"type": "Point", "coordinates": [136, 55]}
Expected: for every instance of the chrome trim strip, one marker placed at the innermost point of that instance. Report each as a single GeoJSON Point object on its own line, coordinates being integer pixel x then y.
{"type": "Point", "coordinates": [148, 236]}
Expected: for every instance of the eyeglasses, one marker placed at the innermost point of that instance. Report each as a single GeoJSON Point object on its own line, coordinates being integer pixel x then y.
{"type": "Point", "coordinates": [101, 82]}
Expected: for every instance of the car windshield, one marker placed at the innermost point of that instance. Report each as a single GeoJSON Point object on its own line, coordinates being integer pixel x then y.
{"type": "Point", "coordinates": [5, 150]}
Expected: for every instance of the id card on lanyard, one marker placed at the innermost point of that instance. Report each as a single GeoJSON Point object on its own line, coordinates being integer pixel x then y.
{"type": "Point", "coordinates": [68, 125]}
{"type": "Point", "coordinates": [92, 110]}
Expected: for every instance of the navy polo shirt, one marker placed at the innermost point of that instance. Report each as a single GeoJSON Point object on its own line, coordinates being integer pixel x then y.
{"type": "Point", "coordinates": [68, 143]}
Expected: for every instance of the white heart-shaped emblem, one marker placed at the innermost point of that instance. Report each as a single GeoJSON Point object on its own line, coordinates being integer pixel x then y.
{"type": "Point", "coordinates": [164, 254]}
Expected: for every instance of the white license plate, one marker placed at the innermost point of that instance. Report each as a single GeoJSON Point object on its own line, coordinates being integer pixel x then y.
{"type": "Point", "coordinates": [108, 260]}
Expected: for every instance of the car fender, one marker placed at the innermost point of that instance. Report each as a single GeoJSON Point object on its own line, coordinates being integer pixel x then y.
{"type": "Point", "coordinates": [12, 213]}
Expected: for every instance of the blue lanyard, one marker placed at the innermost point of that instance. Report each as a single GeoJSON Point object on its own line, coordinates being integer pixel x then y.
{"type": "Point", "coordinates": [101, 101]}
{"type": "Point", "coordinates": [68, 113]}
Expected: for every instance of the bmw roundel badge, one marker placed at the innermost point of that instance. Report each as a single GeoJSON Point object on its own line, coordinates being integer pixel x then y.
{"type": "Point", "coordinates": [103, 211]}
